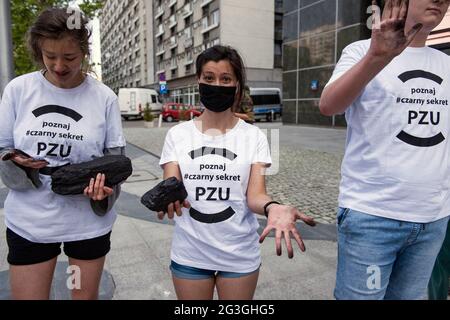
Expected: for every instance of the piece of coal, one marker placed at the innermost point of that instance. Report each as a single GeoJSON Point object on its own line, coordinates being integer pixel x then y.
{"type": "Point", "coordinates": [73, 179]}
{"type": "Point", "coordinates": [164, 193]}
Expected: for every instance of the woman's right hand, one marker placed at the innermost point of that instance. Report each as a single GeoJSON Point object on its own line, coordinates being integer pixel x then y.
{"type": "Point", "coordinates": [389, 38]}
{"type": "Point", "coordinates": [29, 162]}
{"type": "Point", "coordinates": [172, 208]}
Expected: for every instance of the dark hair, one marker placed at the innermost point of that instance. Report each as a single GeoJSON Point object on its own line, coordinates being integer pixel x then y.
{"type": "Point", "coordinates": [54, 23]}
{"type": "Point", "coordinates": [218, 53]}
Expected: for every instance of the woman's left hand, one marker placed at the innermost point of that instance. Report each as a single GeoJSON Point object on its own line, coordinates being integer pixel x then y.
{"type": "Point", "coordinates": [97, 190]}
{"type": "Point", "coordinates": [282, 218]}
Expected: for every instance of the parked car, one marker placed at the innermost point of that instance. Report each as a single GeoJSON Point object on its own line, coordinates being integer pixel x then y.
{"type": "Point", "coordinates": [171, 111]}
{"type": "Point", "coordinates": [132, 102]}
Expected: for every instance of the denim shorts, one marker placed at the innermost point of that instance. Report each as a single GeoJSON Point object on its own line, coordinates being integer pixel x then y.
{"type": "Point", "coordinates": [381, 258]}
{"type": "Point", "coordinates": [191, 273]}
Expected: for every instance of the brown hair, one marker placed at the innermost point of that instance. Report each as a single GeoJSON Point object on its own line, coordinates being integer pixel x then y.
{"type": "Point", "coordinates": [53, 23]}
{"type": "Point", "coordinates": [218, 53]}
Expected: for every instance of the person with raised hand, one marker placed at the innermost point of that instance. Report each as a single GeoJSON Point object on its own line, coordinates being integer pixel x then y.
{"type": "Point", "coordinates": [394, 191]}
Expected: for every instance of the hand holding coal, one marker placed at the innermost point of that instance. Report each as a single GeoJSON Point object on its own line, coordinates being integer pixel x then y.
{"type": "Point", "coordinates": [163, 194]}
{"type": "Point", "coordinates": [73, 179]}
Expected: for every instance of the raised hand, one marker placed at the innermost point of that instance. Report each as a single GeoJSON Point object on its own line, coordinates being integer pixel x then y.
{"type": "Point", "coordinates": [389, 37]}
{"type": "Point", "coordinates": [282, 218]}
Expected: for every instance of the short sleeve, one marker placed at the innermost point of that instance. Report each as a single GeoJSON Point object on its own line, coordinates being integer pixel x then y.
{"type": "Point", "coordinates": [168, 153]}
{"type": "Point", "coordinates": [114, 132]}
{"type": "Point", "coordinates": [351, 55]}
{"type": "Point", "coordinates": [7, 119]}
{"type": "Point", "coordinates": [262, 154]}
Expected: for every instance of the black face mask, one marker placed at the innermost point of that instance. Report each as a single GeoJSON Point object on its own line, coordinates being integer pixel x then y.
{"type": "Point", "coordinates": [217, 98]}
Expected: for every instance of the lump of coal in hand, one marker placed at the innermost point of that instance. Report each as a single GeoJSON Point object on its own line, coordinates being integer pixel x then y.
{"type": "Point", "coordinates": [74, 178]}
{"type": "Point", "coordinates": [166, 192]}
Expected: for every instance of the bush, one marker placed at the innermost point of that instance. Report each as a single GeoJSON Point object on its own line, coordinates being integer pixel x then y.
{"type": "Point", "coordinates": [148, 115]}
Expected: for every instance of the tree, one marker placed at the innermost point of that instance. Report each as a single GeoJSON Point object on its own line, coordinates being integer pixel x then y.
{"type": "Point", "coordinates": [23, 13]}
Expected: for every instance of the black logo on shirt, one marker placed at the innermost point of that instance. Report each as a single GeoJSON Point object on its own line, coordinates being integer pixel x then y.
{"type": "Point", "coordinates": [57, 109]}
{"type": "Point", "coordinates": [52, 130]}
{"type": "Point", "coordinates": [414, 74]}
{"type": "Point", "coordinates": [204, 151]}
{"type": "Point", "coordinates": [213, 217]}
{"type": "Point", "coordinates": [414, 115]}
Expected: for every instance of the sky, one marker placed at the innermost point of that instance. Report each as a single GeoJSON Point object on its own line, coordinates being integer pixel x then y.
{"type": "Point", "coordinates": [95, 43]}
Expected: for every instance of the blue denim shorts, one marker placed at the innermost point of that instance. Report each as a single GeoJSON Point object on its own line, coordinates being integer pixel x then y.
{"type": "Point", "coordinates": [191, 273]}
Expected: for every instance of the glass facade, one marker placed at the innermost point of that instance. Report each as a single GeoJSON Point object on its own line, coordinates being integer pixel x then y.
{"type": "Point", "coordinates": [314, 34]}
{"type": "Point", "coordinates": [188, 95]}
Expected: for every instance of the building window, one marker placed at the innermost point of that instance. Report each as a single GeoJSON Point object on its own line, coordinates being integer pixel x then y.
{"type": "Point", "coordinates": [188, 32]}
{"type": "Point", "coordinates": [205, 22]}
{"type": "Point", "coordinates": [206, 37]}
{"type": "Point", "coordinates": [215, 16]}
{"type": "Point", "coordinates": [187, 21]}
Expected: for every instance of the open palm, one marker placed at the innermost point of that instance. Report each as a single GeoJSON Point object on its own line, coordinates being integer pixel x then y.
{"type": "Point", "coordinates": [389, 37]}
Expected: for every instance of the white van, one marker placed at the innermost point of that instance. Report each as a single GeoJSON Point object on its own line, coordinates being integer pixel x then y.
{"type": "Point", "coordinates": [132, 102]}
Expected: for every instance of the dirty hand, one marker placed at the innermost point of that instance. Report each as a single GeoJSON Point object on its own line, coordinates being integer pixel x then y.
{"type": "Point", "coordinates": [389, 37]}
{"type": "Point", "coordinates": [174, 207]}
{"type": "Point", "coordinates": [97, 190]}
{"type": "Point", "coordinates": [282, 218]}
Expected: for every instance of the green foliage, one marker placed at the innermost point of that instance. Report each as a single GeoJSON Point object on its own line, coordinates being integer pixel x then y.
{"type": "Point", "coordinates": [23, 14]}
{"type": "Point", "coordinates": [148, 115]}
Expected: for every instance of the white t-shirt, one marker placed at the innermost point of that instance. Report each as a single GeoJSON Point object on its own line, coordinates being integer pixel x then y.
{"type": "Point", "coordinates": [63, 126]}
{"type": "Point", "coordinates": [220, 231]}
{"type": "Point", "coordinates": [397, 152]}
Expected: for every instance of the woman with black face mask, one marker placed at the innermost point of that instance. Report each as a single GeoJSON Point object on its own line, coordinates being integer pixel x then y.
{"type": "Point", "coordinates": [222, 161]}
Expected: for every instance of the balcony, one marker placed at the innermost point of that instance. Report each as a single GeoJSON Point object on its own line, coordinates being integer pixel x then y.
{"type": "Point", "coordinates": [187, 11]}
{"type": "Point", "coordinates": [161, 70]}
{"type": "Point", "coordinates": [172, 21]}
{"type": "Point", "coordinates": [160, 31]}
{"type": "Point", "coordinates": [210, 27]}
{"type": "Point", "coordinates": [189, 42]}
{"type": "Point", "coordinates": [160, 51]}
{"type": "Point", "coordinates": [172, 3]}
{"type": "Point", "coordinates": [173, 42]}
{"type": "Point", "coordinates": [205, 3]}
{"type": "Point", "coordinates": [159, 12]}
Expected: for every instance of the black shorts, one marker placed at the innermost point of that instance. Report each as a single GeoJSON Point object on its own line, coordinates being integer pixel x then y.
{"type": "Point", "coordinates": [24, 252]}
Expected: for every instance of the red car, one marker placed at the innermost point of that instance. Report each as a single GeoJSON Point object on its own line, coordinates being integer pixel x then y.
{"type": "Point", "coordinates": [171, 112]}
